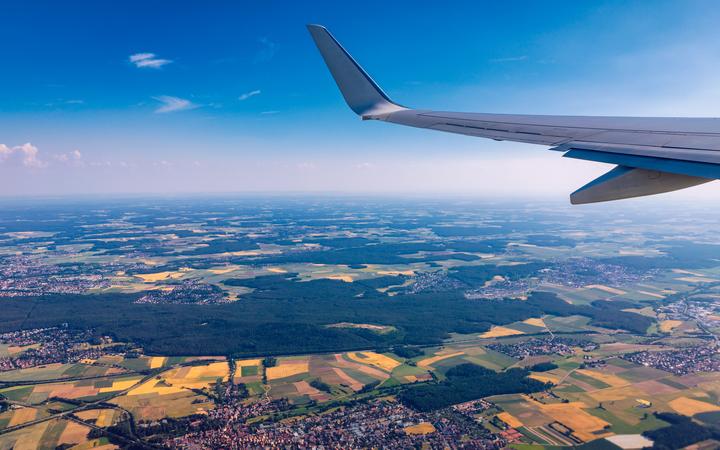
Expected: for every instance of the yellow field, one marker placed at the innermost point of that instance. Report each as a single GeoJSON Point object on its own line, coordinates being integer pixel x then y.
{"type": "Point", "coordinates": [666, 326]}
{"type": "Point", "coordinates": [509, 419]}
{"type": "Point", "coordinates": [607, 378]}
{"type": "Point", "coordinates": [545, 377]}
{"type": "Point", "coordinates": [287, 370]}
{"type": "Point", "coordinates": [157, 361]}
{"type": "Point", "coordinates": [432, 360]}
{"type": "Point", "coordinates": [421, 428]}
{"type": "Point", "coordinates": [572, 415]}
{"type": "Point", "coordinates": [697, 279]}
{"type": "Point", "coordinates": [213, 370]}
{"type": "Point", "coordinates": [407, 273]}
{"type": "Point", "coordinates": [538, 322]}
{"type": "Point", "coordinates": [153, 387]}
{"type": "Point", "coordinates": [345, 278]}
{"type": "Point", "coordinates": [183, 378]}
{"type": "Point", "coordinates": [223, 270]}
{"type": "Point", "coordinates": [688, 406]}
{"type": "Point", "coordinates": [375, 359]}
{"type": "Point", "coordinates": [608, 289]}
{"type": "Point", "coordinates": [500, 332]}
{"type": "Point", "coordinates": [159, 276]}
{"type": "Point", "coordinates": [120, 385]}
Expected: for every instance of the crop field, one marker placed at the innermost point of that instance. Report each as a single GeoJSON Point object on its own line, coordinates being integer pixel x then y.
{"type": "Point", "coordinates": [173, 392]}
{"type": "Point", "coordinates": [58, 371]}
{"type": "Point", "coordinates": [100, 417]}
{"type": "Point", "coordinates": [49, 435]}
{"type": "Point", "coordinates": [383, 362]}
{"type": "Point", "coordinates": [72, 390]}
{"type": "Point", "coordinates": [618, 398]}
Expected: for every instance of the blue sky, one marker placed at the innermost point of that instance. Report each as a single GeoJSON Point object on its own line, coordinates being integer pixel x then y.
{"type": "Point", "coordinates": [150, 96]}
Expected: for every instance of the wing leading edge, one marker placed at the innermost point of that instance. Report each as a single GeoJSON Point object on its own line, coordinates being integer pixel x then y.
{"type": "Point", "coordinates": [653, 154]}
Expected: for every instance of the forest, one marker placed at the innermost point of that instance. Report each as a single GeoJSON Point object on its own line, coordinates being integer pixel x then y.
{"type": "Point", "coordinates": [469, 382]}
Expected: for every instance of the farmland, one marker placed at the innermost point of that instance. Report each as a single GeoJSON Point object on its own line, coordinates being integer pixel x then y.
{"type": "Point", "coordinates": [130, 324]}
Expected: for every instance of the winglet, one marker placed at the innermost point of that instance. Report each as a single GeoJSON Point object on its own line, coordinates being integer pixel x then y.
{"type": "Point", "coordinates": [361, 93]}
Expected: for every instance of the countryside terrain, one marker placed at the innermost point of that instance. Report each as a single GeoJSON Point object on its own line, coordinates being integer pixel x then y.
{"type": "Point", "coordinates": [357, 323]}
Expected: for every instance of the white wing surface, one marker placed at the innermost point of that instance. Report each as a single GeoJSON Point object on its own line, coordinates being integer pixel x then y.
{"type": "Point", "coordinates": [652, 154]}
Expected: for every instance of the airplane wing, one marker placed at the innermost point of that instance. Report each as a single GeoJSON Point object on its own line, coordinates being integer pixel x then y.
{"type": "Point", "coordinates": [652, 154]}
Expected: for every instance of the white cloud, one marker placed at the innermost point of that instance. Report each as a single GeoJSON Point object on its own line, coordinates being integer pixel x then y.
{"type": "Point", "coordinates": [74, 157]}
{"type": "Point", "coordinates": [268, 113]}
{"type": "Point", "coordinates": [25, 155]}
{"type": "Point", "coordinates": [148, 60]}
{"type": "Point", "coordinates": [172, 104]}
{"type": "Point", "coordinates": [247, 95]}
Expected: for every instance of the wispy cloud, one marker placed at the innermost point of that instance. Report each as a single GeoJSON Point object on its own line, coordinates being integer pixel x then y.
{"type": "Point", "coordinates": [149, 60]}
{"type": "Point", "coordinates": [509, 59]}
{"type": "Point", "coordinates": [25, 155]}
{"type": "Point", "coordinates": [172, 104]}
{"type": "Point", "coordinates": [267, 50]}
{"type": "Point", "coordinates": [269, 113]}
{"type": "Point", "coordinates": [247, 95]}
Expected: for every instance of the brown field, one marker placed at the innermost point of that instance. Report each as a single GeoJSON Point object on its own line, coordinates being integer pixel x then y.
{"type": "Point", "coordinates": [425, 363]}
{"type": "Point", "coordinates": [373, 372]}
{"type": "Point", "coordinates": [24, 439]}
{"type": "Point", "coordinates": [666, 326]}
{"type": "Point", "coordinates": [156, 407]}
{"type": "Point", "coordinates": [22, 415]}
{"type": "Point", "coordinates": [347, 379]}
{"type": "Point", "coordinates": [689, 407]}
{"type": "Point", "coordinates": [304, 388]}
{"type": "Point", "coordinates": [375, 359]}
{"type": "Point", "coordinates": [66, 390]}
{"type": "Point", "coordinates": [287, 369]}
{"type": "Point", "coordinates": [652, 294]}
{"type": "Point", "coordinates": [102, 417]}
{"type": "Point", "coordinates": [500, 332]}
{"type": "Point", "coordinates": [509, 419]}
{"type": "Point", "coordinates": [74, 433]}
{"type": "Point", "coordinates": [421, 428]}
